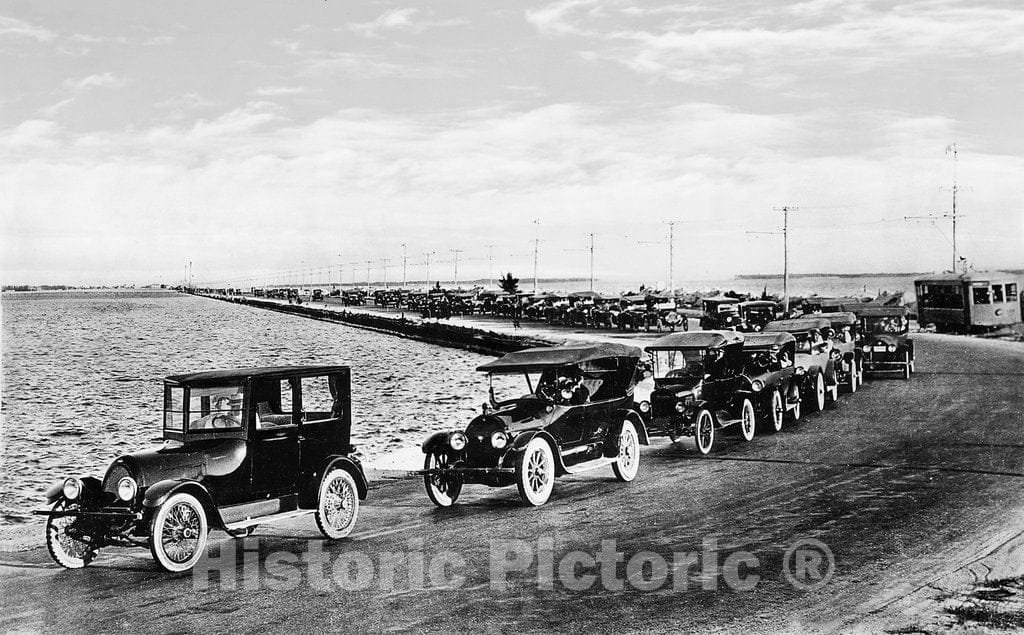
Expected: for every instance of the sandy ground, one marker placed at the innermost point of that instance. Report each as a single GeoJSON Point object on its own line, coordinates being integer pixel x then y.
{"type": "Point", "coordinates": [913, 486]}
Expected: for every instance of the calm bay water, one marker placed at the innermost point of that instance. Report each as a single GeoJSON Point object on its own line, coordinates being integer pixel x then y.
{"type": "Point", "coordinates": [82, 377]}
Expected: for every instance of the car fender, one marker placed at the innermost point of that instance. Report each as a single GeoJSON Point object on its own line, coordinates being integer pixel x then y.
{"type": "Point", "coordinates": [158, 493]}
{"type": "Point", "coordinates": [92, 489]}
{"type": "Point", "coordinates": [519, 446]}
{"type": "Point", "coordinates": [351, 466]}
{"type": "Point", "coordinates": [611, 449]}
{"type": "Point", "coordinates": [438, 438]}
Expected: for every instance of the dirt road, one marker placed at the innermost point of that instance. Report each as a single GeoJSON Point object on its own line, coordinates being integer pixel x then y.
{"type": "Point", "coordinates": [904, 482]}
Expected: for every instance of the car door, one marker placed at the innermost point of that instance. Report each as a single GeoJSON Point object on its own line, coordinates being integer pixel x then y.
{"type": "Point", "coordinates": [275, 447]}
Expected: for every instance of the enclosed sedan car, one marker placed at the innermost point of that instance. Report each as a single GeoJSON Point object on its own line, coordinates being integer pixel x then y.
{"type": "Point", "coordinates": [241, 448]}
{"type": "Point", "coordinates": [576, 415]}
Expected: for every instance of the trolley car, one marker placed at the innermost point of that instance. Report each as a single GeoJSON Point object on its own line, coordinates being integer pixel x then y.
{"type": "Point", "coordinates": [974, 301]}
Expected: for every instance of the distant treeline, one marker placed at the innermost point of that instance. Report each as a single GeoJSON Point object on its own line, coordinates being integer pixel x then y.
{"type": "Point", "coordinates": [777, 276]}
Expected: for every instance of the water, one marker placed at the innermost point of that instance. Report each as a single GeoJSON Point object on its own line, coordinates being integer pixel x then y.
{"type": "Point", "coordinates": [82, 377]}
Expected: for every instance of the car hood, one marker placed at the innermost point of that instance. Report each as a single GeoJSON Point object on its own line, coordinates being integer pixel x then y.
{"type": "Point", "coordinates": [676, 384]}
{"type": "Point", "coordinates": [184, 461]}
{"type": "Point", "coordinates": [520, 414]}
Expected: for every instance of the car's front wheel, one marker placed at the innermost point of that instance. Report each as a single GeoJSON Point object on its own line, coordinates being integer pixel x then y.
{"type": "Point", "coordinates": [535, 472]}
{"type": "Point", "coordinates": [851, 378]}
{"type": "Point", "coordinates": [337, 507]}
{"type": "Point", "coordinates": [818, 396]}
{"type": "Point", "coordinates": [907, 370]}
{"type": "Point", "coordinates": [704, 432]}
{"type": "Point", "coordinates": [776, 412]}
{"type": "Point", "coordinates": [748, 421]}
{"type": "Point", "coordinates": [68, 552]}
{"type": "Point", "coordinates": [443, 490]}
{"type": "Point", "coordinates": [178, 533]}
{"type": "Point", "coordinates": [628, 462]}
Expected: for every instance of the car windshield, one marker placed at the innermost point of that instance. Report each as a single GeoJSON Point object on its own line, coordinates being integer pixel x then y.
{"type": "Point", "coordinates": [215, 408]}
{"type": "Point", "coordinates": [760, 312]}
{"type": "Point", "coordinates": [892, 325]}
{"type": "Point", "coordinates": [678, 362]}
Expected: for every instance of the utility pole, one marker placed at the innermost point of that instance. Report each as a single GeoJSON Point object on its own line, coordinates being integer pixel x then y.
{"type": "Point", "coordinates": [952, 216]}
{"type": "Point", "coordinates": [490, 265]}
{"type": "Point", "coordinates": [456, 252]}
{"type": "Point", "coordinates": [671, 253]}
{"type": "Point", "coordinates": [405, 264]}
{"type": "Point", "coordinates": [368, 274]}
{"type": "Point", "coordinates": [385, 262]}
{"type": "Point", "coordinates": [785, 209]}
{"type": "Point", "coordinates": [536, 248]}
{"type": "Point", "coordinates": [591, 250]}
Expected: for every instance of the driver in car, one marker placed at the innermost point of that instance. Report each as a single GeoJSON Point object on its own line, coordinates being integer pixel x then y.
{"type": "Point", "coordinates": [226, 413]}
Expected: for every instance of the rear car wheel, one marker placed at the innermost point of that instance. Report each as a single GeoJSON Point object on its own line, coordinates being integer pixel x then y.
{"type": "Point", "coordinates": [906, 366]}
{"type": "Point", "coordinates": [337, 506]}
{"type": "Point", "coordinates": [628, 462]}
{"type": "Point", "coordinates": [704, 432]}
{"type": "Point", "coordinates": [442, 491]}
{"type": "Point", "coordinates": [535, 472]}
{"type": "Point", "coordinates": [748, 421]}
{"type": "Point", "coordinates": [178, 533]}
{"type": "Point", "coordinates": [851, 378]}
{"type": "Point", "coordinates": [66, 551]}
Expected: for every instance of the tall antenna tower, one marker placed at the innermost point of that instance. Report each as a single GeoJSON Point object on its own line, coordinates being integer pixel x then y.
{"type": "Point", "coordinates": [952, 215]}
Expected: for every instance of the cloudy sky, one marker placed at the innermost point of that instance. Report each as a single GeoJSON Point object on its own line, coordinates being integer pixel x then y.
{"type": "Point", "coordinates": [257, 137]}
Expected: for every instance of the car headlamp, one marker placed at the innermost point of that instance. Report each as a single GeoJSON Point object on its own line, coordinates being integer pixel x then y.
{"type": "Point", "coordinates": [72, 488]}
{"type": "Point", "coordinates": [891, 348]}
{"type": "Point", "coordinates": [499, 440]}
{"type": "Point", "coordinates": [680, 406]}
{"type": "Point", "coordinates": [757, 385]}
{"type": "Point", "coordinates": [127, 488]}
{"type": "Point", "coordinates": [457, 441]}
{"type": "Point", "coordinates": [645, 406]}
{"type": "Point", "coordinates": [866, 348]}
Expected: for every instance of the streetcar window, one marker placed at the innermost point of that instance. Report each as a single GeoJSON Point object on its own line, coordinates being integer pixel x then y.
{"type": "Point", "coordinates": [997, 293]}
{"type": "Point", "coordinates": [1011, 291]}
{"type": "Point", "coordinates": [981, 295]}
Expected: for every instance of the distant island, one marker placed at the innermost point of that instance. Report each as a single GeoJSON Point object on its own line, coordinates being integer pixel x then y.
{"type": "Point", "coordinates": [779, 276]}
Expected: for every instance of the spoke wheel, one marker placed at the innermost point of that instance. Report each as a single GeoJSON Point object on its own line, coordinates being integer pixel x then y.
{"type": "Point", "coordinates": [818, 403]}
{"type": "Point", "coordinates": [704, 432]}
{"type": "Point", "coordinates": [778, 412]}
{"type": "Point", "coordinates": [748, 421]}
{"type": "Point", "coordinates": [535, 472]}
{"type": "Point", "coordinates": [906, 366]}
{"type": "Point", "coordinates": [851, 378]}
{"type": "Point", "coordinates": [178, 533]}
{"type": "Point", "coordinates": [66, 551]}
{"type": "Point", "coordinates": [443, 491]}
{"type": "Point", "coordinates": [337, 506]}
{"type": "Point", "coordinates": [627, 463]}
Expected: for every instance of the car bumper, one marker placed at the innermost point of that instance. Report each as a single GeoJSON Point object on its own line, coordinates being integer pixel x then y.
{"type": "Point", "coordinates": [109, 514]}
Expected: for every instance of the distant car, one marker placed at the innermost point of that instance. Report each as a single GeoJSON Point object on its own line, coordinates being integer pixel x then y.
{"type": "Point", "coordinates": [720, 313]}
{"type": "Point", "coordinates": [318, 295]}
{"type": "Point", "coordinates": [241, 448]}
{"type": "Point", "coordinates": [576, 415]}
{"type": "Point", "coordinates": [699, 387]}
{"type": "Point", "coordinates": [813, 356]}
{"type": "Point", "coordinates": [847, 355]}
{"type": "Point", "coordinates": [754, 314]}
{"type": "Point", "coordinates": [768, 365]}
{"type": "Point", "coordinates": [885, 340]}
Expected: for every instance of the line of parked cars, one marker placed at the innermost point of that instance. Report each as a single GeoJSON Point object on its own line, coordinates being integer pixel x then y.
{"type": "Point", "coordinates": [252, 446]}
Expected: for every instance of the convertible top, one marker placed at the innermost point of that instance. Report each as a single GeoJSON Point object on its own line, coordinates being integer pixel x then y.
{"type": "Point", "coordinates": [884, 311]}
{"type": "Point", "coordinates": [764, 341]}
{"type": "Point", "coordinates": [841, 319]}
{"type": "Point", "coordinates": [532, 359]}
{"type": "Point", "coordinates": [696, 339]}
{"type": "Point", "coordinates": [798, 325]}
{"type": "Point", "coordinates": [241, 374]}
{"type": "Point", "coordinates": [749, 303]}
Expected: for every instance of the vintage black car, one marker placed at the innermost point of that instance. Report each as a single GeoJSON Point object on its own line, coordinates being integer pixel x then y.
{"type": "Point", "coordinates": [720, 313]}
{"type": "Point", "coordinates": [768, 365]}
{"type": "Point", "coordinates": [577, 415]}
{"type": "Point", "coordinates": [846, 353]}
{"type": "Point", "coordinates": [814, 358]}
{"type": "Point", "coordinates": [700, 387]}
{"type": "Point", "coordinates": [754, 314]}
{"type": "Point", "coordinates": [241, 448]}
{"type": "Point", "coordinates": [885, 340]}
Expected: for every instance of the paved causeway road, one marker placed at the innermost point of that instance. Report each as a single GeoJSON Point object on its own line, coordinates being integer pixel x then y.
{"type": "Point", "coordinates": [904, 482]}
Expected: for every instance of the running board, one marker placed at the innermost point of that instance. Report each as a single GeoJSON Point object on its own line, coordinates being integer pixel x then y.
{"type": "Point", "coordinates": [589, 465]}
{"type": "Point", "coordinates": [262, 520]}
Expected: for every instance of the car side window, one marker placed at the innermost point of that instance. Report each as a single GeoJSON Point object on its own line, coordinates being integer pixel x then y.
{"type": "Point", "coordinates": [318, 402]}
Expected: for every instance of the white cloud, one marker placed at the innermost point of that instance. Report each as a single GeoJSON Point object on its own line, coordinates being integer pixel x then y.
{"type": "Point", "coordinates": [103, 80]}
{"type": "Point", "coordinates": [280, 91]}
{"type": "Point", "coordinates": [406, 19]}
{"type": "Point", "coordinates": [53, 110]}
{"type": "Point", "coordinates": [20, 28]}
